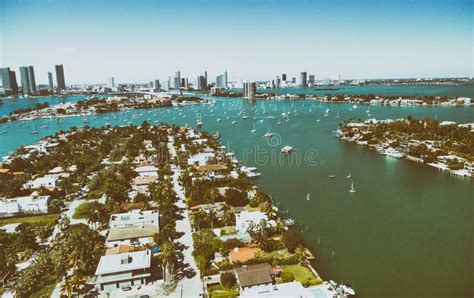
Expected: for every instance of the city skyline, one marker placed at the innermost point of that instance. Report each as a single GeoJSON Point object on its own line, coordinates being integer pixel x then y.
{"type": "Point", "coordinates": [254, 42]}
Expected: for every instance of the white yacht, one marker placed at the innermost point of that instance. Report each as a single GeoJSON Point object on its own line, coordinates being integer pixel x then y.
{"type": "Point", "coordinates": [268, 135]}
{"type": "Point", "coordinates": [393, 153]}
{"type": "Point", "coordinates": [286, 149]}
{"type": "Point", "coordinates": [253, 130]}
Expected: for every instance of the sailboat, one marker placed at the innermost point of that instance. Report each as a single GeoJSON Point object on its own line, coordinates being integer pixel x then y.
{"type": "Point", "coordinates": [34, 131]}
{"type": "Point", "coordinates": [307, 197]}
{"type": "Point", "coordinates": [352, 188]}
{"type": "Point", "coordinates": [337, 114]}
{"type": "Point", "coordinates": [253, 130]}
{"type": "Point", "coordinates": [349, 176]}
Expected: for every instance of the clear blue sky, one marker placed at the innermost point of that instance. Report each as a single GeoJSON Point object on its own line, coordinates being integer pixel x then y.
{"type": "Point", "coordinates": [137, 41]}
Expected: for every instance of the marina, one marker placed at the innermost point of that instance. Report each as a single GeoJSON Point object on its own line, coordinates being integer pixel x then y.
{"type": "Point", "coordinates": [407, 207]}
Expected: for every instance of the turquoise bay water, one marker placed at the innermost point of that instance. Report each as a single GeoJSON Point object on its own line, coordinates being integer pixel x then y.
{"type": "Point", "coordinates": [407, 231]}
{"type": "Point", "coordinates": [464, 90]}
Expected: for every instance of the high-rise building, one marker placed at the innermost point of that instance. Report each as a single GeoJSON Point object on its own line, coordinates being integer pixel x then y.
{"type": "Point", "coordinates": [201, 82]}
{"type": "Point", "coordinates": [13, 83]}
{"type": "Point", "coordinates": [311, 79]}
{"type": "Point", "coordinates": [277, 82]}
{"type": "Point", "coordinates": [31, 79]}
{"type": "Point", "coordinates": [60, 77]}
{"type": "Point", "coordinates": [293, 80]}
{"type": "Point", "coordinates": [25, 80]}
{"type": "Point", "coordinates": [222, 81]}
{"type": "Point", "coordinates": [177, 80]}
{"type": "Point", "coordinates": [283, 77]}
{"type": "Point", "coordinates": [156, 85]}
{"type": "Point", "coordinates": [111, 82]}
{"type": "Point", "coordinates": [8, 79]}
{"type": "Point", "coordinates": [249, 89]}
{"type": "Point", "coordinates": [50, 81]}
{"type": "Point", "coordinates": [303, 81]}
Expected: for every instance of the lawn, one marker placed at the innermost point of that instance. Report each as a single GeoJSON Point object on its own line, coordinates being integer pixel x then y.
{"type": "Point", "coordinates": [30, 219]}
{"type": "Point", "coordinates": [302, 274]}
{"type": "Point", "coordinates": [219, 292]}
{"type": "Point", "coordinates": [251, 209]}
{"type": "Point", "coordinates": [81, 211]}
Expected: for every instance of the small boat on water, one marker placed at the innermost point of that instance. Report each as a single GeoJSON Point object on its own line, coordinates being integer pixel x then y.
{"type": "Point", "coordinates": [332, 176]}
{"type": "Point", "coordinates": [286, 149]}
{"type": "Point", "coordinates": [352, 190]}
{"type": "Point", "coordinates": [34, 131]}
{"type": "Point", "coordinates": [216, 135]}
{"type": "Point", "coordinates": [253, 130]}
{"type": "Point", "coordinates": [268, 135]}
{"type": "Point", "coordinates": [349, 176]}
{"type": "Point", "coordinates": [234, 122]}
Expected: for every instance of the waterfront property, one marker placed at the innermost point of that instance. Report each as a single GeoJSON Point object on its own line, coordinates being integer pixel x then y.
{"type": "Point", "coordinates": [249, 276]}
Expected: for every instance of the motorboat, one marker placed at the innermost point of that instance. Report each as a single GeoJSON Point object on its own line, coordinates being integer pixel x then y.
{"type": "Point", "coordinates": [286, 149]}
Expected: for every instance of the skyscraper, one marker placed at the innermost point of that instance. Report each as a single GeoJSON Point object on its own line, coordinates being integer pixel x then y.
{"type": "Point", "coordinates": [303, 82]}
{"type": "Point", "coordinates": [311, 79]}
{"type": "Point", "coordinates": [8, 78]}
{"type": "Point", "coordinates": [60, 77]}
{"type": "Point", "coordinates": [50, 81]}
{"type": "Point", "coordinates": [283, 76]}
{"type": "Point", "coordinates": [221, 80]}
{"type": "Point", "coordinates": [156, 85]}
{"type": "Point", "coordinates": [32, 81]}
{"type": "Point", "coordinates": [13, 83]}
{"type": "Point", "coordinates": [249, 89]}
{"type": "Point", "coordinates": [111, 82]}
{"type": "Point", "coordinates": [201, 82]}
{"type": "Point", "coordinates": [177, 80]}
{"type": "Point", "coordinates": [25, 80]}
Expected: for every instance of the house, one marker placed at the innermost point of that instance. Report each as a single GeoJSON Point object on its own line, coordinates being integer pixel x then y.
{"type": "Point", "coordinates": [27, 204]}
{"type": "Point", "coordinates": [134, 218]}
{"type": "Point", "coordinates": [289, 289]}
{"type": "Point", "coordinates": [119, 249]}
{"type": "Point", "coordinates": [141, 182]}
{"type": "Point", "coordinates": [245, 218]}
{"type": "Point", "coordinates": [150, 171]}
{"type": "Point", "coordinates": [131, 236]}
{"type": "Point", "coordinates": [242, 254]}
{"type": "Point", "coordinates": [249, 276]}
{"type": "Point", "coordinates": [123, 270]}
{"type": "Point", "coordinates": [46, 182]}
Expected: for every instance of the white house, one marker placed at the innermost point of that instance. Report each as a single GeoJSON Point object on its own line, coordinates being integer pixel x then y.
{"type": "Point", "coordinates": [27, 204]}
{"type": "Point", "coordinates": [46, 181]}
{"type": "Point", "coordinates": [289, 289]}
{"type": "Point", "coordinates": [134, 218]}
{"type": "Point", "coordinates": [245, 218]}
{"type": "Point", "coordinates": [123, 270]}
{"type": "Point", "coordinates": [150, 171]}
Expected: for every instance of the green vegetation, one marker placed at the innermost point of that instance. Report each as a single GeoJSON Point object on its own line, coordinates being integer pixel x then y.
{"type": "Point", "coordinates": [48, 218]}
{"type": "Point", "coordinates": [82, 211]}
{"type": "Point", "coordinates": [301, 274]}
{"type": "Point", "coordinates": [219, 291]}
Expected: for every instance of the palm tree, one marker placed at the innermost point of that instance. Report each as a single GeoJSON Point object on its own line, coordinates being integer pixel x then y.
{"type": "Point", "coordinates": [67, 287]}
{"type": "Point", "coordinates": [168, 257]}
{"type": "Point", "coordinates": [78, 282]}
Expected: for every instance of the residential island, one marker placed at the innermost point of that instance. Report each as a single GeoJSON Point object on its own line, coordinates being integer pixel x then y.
{"type": "Point", "coordinates": [146, 210]}
{"type": "Point", "coordinates": [444, 145]}
{"type": "Point", "coordinates": [99, 105]}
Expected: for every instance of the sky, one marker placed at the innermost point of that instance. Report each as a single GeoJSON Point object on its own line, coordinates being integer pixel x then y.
{"type": "Point", "coordinates": [139, 41]}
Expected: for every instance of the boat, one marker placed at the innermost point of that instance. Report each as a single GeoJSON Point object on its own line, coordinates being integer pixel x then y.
{"type": "Point", "coordinates": [326, 113]}
{"type": "Point", "coordinates": [337, 114]}
{"type": "Point", "coordinates": [286, 149]}
{"type": "Point", "coordinates": [199, 123]}
{"type": "Point", "coordinates": [245, 117]}
{"type": "Point", "coordinates": [268, 135]}
{"type": "Point", "coordinates": [253, 130]}
{"type": "Point", "coordinates": [216, 135]}
{"type": "Point", "coordinates": [307, 197]}
{"type": "Point", "coordinates": [393, 153]}
{"type": "Point", "coordinates": [354, 106]}
{"type": "Point", "coordinates": [233, 122]}
{"type": "Point", "coordinates": [33, 132]}
{"type": "Point", "coordinates": [218, 119]}
{"type": "Point", "coordinates": [349, 176]}
{"type": "Point", "coordinates": [352, 190]}
{"type": "Point", "coordinates": [332, 176]}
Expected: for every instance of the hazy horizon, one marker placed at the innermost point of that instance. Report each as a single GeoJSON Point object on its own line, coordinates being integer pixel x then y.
{"type": "Point", "coordinates": [145, 40]}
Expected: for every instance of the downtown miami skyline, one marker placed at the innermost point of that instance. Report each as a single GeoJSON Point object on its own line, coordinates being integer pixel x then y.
{"type": "Point", "coordinates": [252, 41]}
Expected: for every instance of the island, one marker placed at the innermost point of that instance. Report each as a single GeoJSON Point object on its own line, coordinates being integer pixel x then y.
{"type": "Point", "coordinates": [99, 105]}
{"type": "Point", "coordinates": [444, 145]}
{"type": "Point", "coordinates": [103, 211]}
